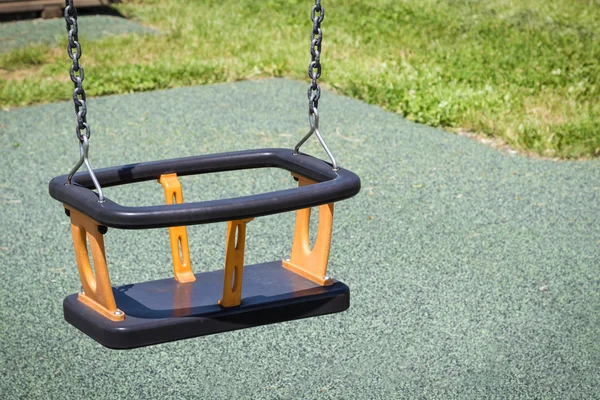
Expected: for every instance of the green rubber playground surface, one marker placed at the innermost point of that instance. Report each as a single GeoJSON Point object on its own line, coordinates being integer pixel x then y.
{"type": "Point", "coordinates": [474, 273]}
{"type": "Point", "coordinates": [39, 31]}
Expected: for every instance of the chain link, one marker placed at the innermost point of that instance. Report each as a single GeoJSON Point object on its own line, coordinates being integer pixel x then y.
{"type": "Point", "coordinates": [82, 129]}
{"type": "Point", "coordinates": [76, 71]}
{"type": "Point", "coordinates": [314, 68]}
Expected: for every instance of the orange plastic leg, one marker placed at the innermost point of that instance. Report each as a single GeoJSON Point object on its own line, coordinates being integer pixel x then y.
{"type": "Point", "coordinates": [180, 250]}
{"type": "Point", "coordinates": [304, 261]}
{"type": "Point", "coordinates": [234, 263]}
{"type": "Point", "coordinates": [97, 292]}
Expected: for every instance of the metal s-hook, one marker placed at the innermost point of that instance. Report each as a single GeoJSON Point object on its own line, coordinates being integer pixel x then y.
{"type": "Point", "coordinates": [83, 159]}
{"type": "Point", "coordinates": [314, 128]}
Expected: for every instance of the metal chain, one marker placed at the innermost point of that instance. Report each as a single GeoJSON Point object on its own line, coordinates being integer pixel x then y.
{"type": "Point", "coordinates": [79, 98]}
{"type": "Point", "coordinates": [314, 73]}
{"type": "Point", "coordinates": [314, 68]}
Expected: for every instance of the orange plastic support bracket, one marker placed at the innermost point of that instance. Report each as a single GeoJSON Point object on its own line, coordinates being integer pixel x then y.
{"type": "Point", "coordinates": [180, 250]}
{"type": "Point", "coordinates": [234, 263]}
{"type": "Point", "coordinates": [97, 291]}
{"type": "Point", "coordinates": [304, 261]}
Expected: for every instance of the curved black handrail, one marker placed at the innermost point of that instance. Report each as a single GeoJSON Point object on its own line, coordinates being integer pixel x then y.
{"type": "Point", "coordinates": [331, 186]}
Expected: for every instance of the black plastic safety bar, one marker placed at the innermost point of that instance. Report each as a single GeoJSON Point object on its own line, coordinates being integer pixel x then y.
{"type": "Point", "coordinates": [331, 186]}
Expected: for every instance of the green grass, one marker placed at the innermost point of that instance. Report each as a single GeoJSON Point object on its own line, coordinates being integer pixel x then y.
{"type": "Point", "coordinates": [524, 72]}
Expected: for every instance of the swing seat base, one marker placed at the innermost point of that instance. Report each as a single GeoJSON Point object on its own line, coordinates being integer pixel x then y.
{"type": "Point", "coordinates": [164, 310]}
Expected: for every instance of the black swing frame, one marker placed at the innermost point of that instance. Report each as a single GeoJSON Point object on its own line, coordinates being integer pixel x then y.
{"type": "Point", "coordinates": [331, 186]}
{"type": "Point", "coordinates": [272, 293]}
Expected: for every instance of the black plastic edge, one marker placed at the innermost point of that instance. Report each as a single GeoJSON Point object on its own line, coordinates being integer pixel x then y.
{"type": "Point", "coordinates": [332, 186]}
{"type": "Point", "coordinates": [109, 334]}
